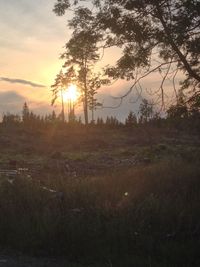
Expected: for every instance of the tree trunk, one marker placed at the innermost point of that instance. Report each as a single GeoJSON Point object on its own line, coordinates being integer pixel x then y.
{"type": "Point", "coordinates": [85, 108]}
{"type": "Point", "coordinates": [85, 94]}
{"type": "Point", "coordinates": [63, 109]}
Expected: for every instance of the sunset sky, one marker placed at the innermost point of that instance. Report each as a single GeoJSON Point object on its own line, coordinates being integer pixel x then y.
{"type": "Point", "coordinates": [32, 37]}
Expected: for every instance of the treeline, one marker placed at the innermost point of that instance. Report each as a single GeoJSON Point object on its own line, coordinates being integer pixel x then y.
{"type": "Point", "coordinates": [182, 115]}
{"type": "Point", "coordinates": [30, 120]}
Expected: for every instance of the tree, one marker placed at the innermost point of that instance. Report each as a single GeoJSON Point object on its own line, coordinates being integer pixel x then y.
{"type": "Point", "coordinates": [100, 122]}
{"type": "Point", "coordinates": [145, 111]}
{"type": "Point", "coordinates": [179, 110]}
{"type": "Point", "coordinates": [131, 120]}
{"type": "Point", "coordinates": [194, 107]}
{"type": "Point", "coordinates": [95, 83]}
{"type": "Point", "coordinates": [154, 35]}
{"type": "Point", "coordinates": [25, 114]}
{"type": "Point", "coordinates": [53, 116]}
{"type": "Point", "coordinates": [11, 119]}
{"type": "Point", "coordinates": [58, 87]}
{"type": "Point", "coordinates": [62, 81]}
{"type": "Point", "coordinates": [112, 121]}
{"type": "Point", "coordinates": [81, 52]}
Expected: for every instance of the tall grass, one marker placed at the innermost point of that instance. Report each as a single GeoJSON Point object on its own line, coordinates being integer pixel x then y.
{"type": "Point", "coordinates": [143, 216]}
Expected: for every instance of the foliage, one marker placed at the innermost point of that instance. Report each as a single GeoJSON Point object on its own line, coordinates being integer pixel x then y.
{"type": "Point", "coordinates": [81, 52]}
{"type": "Point", "coordinates": [145, 111]}
{"type": "Point", "coordinates": [25, 113]}
{"type": "Point", "coordinates": [177, 111]}
{"type": "Point", "coordinates": [11, 119]}
{"type": "Point", "coordinates": [100, 121]}
{"type": "Point", "coordinates": [112, 121]}
{"type": "Point", "coordinates": [131, 119]}
{"type": "Point", "coordinates": [194, 106]}
{"type": "Point", "coordinates": [94, 84]}
{"type": "Point", "coordinates": [181, 115]}
{"type": "Point", "coordinates": [62, 81]}
{"type": "Point", "coordinates": [153, 35]}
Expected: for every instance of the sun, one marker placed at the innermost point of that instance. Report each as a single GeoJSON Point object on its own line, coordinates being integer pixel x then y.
{"type": "Point", "coordinates": [71, 94]}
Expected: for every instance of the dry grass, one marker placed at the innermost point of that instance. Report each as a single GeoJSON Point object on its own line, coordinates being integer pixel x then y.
{"type": "Point", "coordinates": [148, 213]}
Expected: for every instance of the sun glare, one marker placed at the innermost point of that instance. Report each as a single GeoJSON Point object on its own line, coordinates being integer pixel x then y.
{"type": "Point", "coordinates": [71, 94]}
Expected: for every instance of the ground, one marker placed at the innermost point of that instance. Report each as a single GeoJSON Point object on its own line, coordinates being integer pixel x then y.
{"type": "Point", "coordinates": [98, 195]}
{"type": "Point", "coordinates": [80, 152]}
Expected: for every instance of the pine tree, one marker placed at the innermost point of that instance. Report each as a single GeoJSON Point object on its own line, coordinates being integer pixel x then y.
{"type": "Point", "coordinates": [25, 114]}
{"type": "Point", "coordinates": [145, 111]}
{"type": "Point", "coordinates": [131, 119]}
{"type": "Point", "coordinates": [155, 36]}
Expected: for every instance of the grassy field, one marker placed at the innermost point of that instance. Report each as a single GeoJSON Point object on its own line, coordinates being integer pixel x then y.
{"type": "Point", "coordinates": [102, 197]}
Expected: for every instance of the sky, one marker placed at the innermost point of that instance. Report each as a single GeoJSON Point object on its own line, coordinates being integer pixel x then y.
{"type": "Point", "coordinates": [32, 38]}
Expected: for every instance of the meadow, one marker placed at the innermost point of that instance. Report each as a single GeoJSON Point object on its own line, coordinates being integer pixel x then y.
{"type": "Point", "coordinates": [102, 196]}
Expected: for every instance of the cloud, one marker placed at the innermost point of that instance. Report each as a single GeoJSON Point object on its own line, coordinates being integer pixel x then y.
{"type": "Point", "coordinates": [11, 102]}
{"type": "Point", "coordinates": [113, 107]}
{"type": "Point", "coordinates": [10, 80]}
{"type": "Point", "coordinates": [36, 20]}
{"type": "Point", "coordinates": [10, 97]}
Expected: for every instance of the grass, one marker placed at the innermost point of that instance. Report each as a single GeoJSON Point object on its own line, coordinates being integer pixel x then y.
{"type": "Point", "coordinates": [114, 213]}
{"type": "Point", "coordinates": [147, 215]}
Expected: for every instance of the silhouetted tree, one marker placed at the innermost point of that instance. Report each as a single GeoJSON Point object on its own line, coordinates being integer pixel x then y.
{"type": "Point", "coordinates": [194, 107]}
{"type": "Point", "coordinates": [11, 119]}
{"type": "Point", "coordinates": [177, 111]}
{"type": "Point", "coordinates": [95, 83]}
{"type": "Point", "coordinates": [25, 114]}
{"type": "Point", "coordinates": [53, 116]}
{"type": "Point", "coordinates": [81, 51]}
{"type": "Point", "coordinates": [131, 120]}
{"type": "Point", "coordinates": [100, 121]}
{"type": "Point", "coordinates": [112, 121]}
{"type": "Point", "coordinates": [141, 28]}
{"type": "Point", "coordinates": [145, 111]}
{"type": "Point", "coordinates": [62, 81]}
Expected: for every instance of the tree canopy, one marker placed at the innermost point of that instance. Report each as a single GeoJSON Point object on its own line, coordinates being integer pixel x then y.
{"type": "Point", "coordinates": [81, 54]}
{"type": "Point", "coordinates": [154, 35]}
